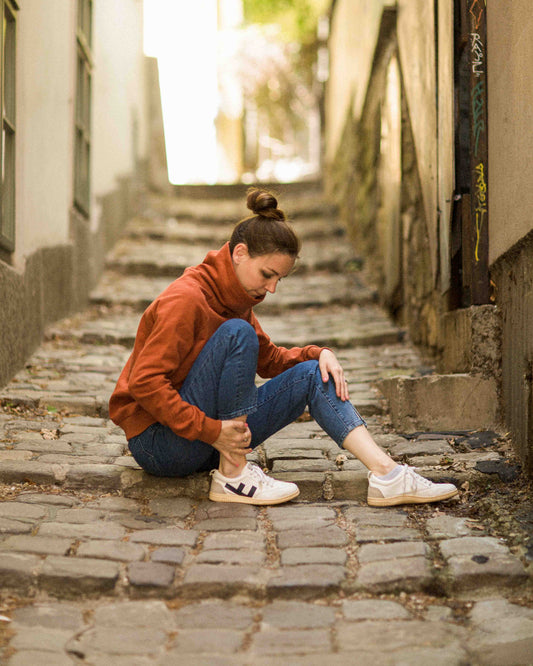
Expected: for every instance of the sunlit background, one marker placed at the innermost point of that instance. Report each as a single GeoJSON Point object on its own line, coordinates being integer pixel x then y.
{"type": "Point", "coordinates": [235, 107]}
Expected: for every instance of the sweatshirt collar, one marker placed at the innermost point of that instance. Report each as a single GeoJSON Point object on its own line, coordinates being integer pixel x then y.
{"type": "Point", "coordinates": [218, 274]}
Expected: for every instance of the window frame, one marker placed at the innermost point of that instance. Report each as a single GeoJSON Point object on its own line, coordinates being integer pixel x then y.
{"type": "Point", "coordinates": [82, 119]}
{"type": "Point", "coordinates": [8, 52]}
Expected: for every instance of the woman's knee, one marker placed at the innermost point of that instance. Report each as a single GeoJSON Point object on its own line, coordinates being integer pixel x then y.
{"type": "Point", "coordinates": [313, 369]}
{"type": "Point", "coordinates": [310, 367]}
{"type": "Point", "coordinates": [317, 381]}
{"type": "Point", "coordinates": [162, 453]}
{"type": "Point", "coordinates": [239, 330]}
{"type": "Point", "coordinates": [309, 371]}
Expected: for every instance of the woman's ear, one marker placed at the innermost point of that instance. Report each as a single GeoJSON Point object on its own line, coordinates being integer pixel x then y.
{"type": "Point", "coordinates": [240, 253]}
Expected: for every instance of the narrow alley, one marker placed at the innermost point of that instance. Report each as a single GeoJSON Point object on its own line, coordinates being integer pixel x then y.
{"type": "Point", "coordinates": [102, 564]}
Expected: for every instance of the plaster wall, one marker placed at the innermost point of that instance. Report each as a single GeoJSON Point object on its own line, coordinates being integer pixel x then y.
{"type": "Point", "coordinates": [416, 42]}
{"type": "Point", "coordinates": [58, 252]}
{"type": "Point", "coordinates": [445, 138]}
{"type": "Point", "coordinates": [45, 80]}
{"type": "Point", "coordinates": [119, 108]}
{"type": "Point", "coordinates": [354, 31]}
{"type": "Point", "coordinates": [510, 104]}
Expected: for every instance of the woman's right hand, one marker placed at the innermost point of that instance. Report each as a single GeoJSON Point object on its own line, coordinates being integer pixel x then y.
{"type": "Point", "coordinates": [234, 441]}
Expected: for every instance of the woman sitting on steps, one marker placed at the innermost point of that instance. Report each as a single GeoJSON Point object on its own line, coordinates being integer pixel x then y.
{"type": "Point", "coordinates": [187, 398]}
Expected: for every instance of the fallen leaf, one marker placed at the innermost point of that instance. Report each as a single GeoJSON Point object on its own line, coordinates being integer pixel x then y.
{"type": "Point", "coordinates": [340, 460]}
{"type": "Point", "coordinates": [49, 434]}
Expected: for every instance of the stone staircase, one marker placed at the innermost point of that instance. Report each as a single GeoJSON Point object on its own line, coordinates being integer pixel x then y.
{"type": "Point", "coordinates": [324, 301]}
{"type": "Point", "coordinates": [117, 566]}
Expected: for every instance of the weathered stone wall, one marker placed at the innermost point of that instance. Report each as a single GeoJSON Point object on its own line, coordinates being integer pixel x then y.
{"type": "Point", "coordinates": [157, 167]}
{"type": "Point", "coordinates": [56, 281]}
{"type": "Point", "coordinates": [420, 304]}
{"type": "Point", "coordinates": [353, 180]}
{"type": "Point", "coordinates": [471, 341]}
{"type": "Point", "coordinates": [491, 342]}
{"type": "Point", "coordinates": [513, 276]}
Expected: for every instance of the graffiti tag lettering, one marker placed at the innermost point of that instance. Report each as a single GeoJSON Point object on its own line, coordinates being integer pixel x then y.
{"type": "Point", "coordinates": [476, 11]}
{"type": "Point", "coordinates": [481, 204]}
{"type": "Point", "coordinates": [478, 112]}
{"type": "Point", "coordinates": [478, 56]}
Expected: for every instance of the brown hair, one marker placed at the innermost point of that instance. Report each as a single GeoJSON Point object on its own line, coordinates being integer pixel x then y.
{"type": "Point", "coordinates": [267, 230]}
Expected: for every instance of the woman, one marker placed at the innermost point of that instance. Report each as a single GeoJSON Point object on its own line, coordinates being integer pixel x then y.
{"type": "Point", "coordinates": [187, 399]}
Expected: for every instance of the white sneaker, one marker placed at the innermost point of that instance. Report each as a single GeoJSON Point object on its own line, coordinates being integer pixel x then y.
{"type": "Point", "coordinates": [407, 487]}
{"type": "Point", "coordinates": [252, 486]}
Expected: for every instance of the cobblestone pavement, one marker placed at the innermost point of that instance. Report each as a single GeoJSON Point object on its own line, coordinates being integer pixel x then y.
{"type": "Point", "coordinates": [102, 564]}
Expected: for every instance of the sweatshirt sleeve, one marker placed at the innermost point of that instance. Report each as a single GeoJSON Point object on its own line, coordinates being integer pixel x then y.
{"type": "Point", "coordinates": [274, 360]}
{"type": "Point", "coordinates": [157, 360]}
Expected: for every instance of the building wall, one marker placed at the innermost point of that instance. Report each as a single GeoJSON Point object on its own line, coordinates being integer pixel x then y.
{"type": "Point", "coordinates": [58, 251]}
{"type": "Point", "coordinates": [510, 100]}
{"type": "Point", "coordinates": [396, 228]}
{"type": "Point", "coordinates": [405, 238]}
{"type": "Point", "coordinates": [354, 41]}
{"type": "Point", "coordinates": [513, 276]}
{"type": "Point", "coordinates": [354, 29]}
{"type": "Point", "coordinates": [510, 104]}
{"type": "Point", "coordinates": [119, 106]}
{"type": "Point", "coordinates": [45, 80]}
{"type": "Point", "coordinates": [416, 46]}
{"type": "Point", "coordinates": [119, 116]}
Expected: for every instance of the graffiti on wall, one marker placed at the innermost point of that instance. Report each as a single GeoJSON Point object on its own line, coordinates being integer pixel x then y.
{"type": "Point", "coordinates": [476, 9]}
{"type": "Point", "coordinates": [480, 204]}
{"type": "Point", "coordinates": [478, 114]}
{"type": "Point", "coordinates": [478, 95]}
{"type": "Point", "coordinates": [478, 55]}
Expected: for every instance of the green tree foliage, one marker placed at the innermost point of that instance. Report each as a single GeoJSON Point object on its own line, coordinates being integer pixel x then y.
{"type": "Point", "coordinates": [297, 19]}
{"type": "Point", "coordinates": [288, 88]}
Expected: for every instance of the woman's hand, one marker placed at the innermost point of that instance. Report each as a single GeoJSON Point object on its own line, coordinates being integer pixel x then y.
{"type": "Point", "coordinates": [233, 443]}
{"type": "Point", "coordinates": [329, 365]}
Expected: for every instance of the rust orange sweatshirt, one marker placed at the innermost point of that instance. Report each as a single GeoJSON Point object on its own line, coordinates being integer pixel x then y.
{"type": "Point", "coordinates": [171, 334]}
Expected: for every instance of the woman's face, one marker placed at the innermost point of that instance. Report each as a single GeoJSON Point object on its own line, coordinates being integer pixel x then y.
{"type": "Point", "coordinates": [261, 274]}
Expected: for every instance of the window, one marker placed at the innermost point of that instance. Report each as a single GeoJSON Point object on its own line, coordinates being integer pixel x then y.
{"type": "Point", "coordinates": [7, 147]}
{"type": "Point", "coordinates": [82, 139]}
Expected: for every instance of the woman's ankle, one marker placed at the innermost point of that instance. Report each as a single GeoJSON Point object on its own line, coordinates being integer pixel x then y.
{"type": "Point", "coordinates": [361, 443]}
{"type": "Point", "coordinates": [384, 470]}
{"type": "Point", "coordinates": [231, 471]}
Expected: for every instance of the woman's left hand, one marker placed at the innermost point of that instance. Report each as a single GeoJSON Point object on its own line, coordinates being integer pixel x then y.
{"type": "Point", "coordinates": [329, 365]}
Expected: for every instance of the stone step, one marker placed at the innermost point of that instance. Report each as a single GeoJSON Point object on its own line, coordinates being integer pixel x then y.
{"type": "Point", "coordinates": [154, 259]}
{"type": "Point", "coordinates": [299, 290]}
{"type": "Point", "coordinates": [341, 328]}
{"type": "Point", "coordinates": [76, 370]}
{"type": "Point", "coordinates": [86, 450]}
{"type": "Point", "coordinates": [136, 291]}
{"type": "Point", "coordinates": [336, 632]}
{"type": "Point", "coordinates": [178, 547]}
{"type": "Point", "coordinates": [231, 209]}
{"type": "Point", "coordinates": [67, 377]}
{"type": "Point", "coordinates": [446, 402]}
{"type": "Point", "coordinates": [93, 401]}
{"type": "Point", "coordinates": [317, 290]}
{"type": "Point", "coordinates": [186, 230]}
{"type": "Point", "coordinates": [158, 259]}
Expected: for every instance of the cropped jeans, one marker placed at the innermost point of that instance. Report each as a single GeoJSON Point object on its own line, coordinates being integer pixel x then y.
{"type": "Point", "coordinates": [221, 383]}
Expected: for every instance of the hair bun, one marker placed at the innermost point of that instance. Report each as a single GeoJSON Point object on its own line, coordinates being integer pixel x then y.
{"type": "Point", "coordinates": [264, 203]}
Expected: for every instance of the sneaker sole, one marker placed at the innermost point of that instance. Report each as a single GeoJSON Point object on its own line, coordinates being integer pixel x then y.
{"type": "Point", "coordinates": [220, 497]}
{"type": "Point", "coordinates": [408, 499]}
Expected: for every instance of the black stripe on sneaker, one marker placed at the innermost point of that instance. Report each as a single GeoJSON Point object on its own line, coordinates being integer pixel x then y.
{"type": "Point", "coordinates": [240, 490]}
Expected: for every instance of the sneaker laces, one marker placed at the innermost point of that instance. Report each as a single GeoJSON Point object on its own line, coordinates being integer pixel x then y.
{"type": "Point", "coordinates": [415, 479]}
{"type": "Point", "coordinates": [258, 473]}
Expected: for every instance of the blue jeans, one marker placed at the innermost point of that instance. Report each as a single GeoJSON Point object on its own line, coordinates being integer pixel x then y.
{"type": "Point", "coordinates": [221, 383]}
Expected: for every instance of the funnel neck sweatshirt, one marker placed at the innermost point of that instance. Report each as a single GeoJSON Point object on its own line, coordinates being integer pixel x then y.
{"type": "Point", "coordinates": [172, 332]}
